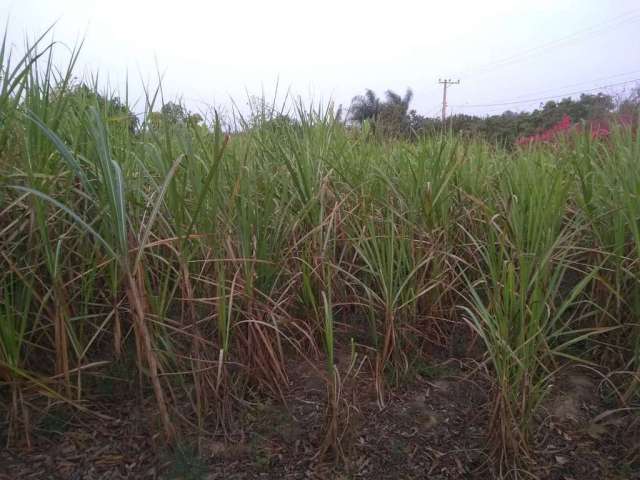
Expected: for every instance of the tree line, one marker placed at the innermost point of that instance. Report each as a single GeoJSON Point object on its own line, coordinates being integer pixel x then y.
{"type": "Point", "coordinates": [392, 116]}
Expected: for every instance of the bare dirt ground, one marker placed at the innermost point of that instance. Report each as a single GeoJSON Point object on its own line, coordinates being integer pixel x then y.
{"type": "Point", "coordinates": [434, 426]}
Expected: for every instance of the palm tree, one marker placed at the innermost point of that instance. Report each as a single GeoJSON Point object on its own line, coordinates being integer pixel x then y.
{"type": "Point", "coordinates": [398, 103]}
{"type": "Point", "coordinates": [393, 113]}
{"type": "Point", "coordinates": [394, 119]}
{"type": "Point", "coordinates": [365, 107]}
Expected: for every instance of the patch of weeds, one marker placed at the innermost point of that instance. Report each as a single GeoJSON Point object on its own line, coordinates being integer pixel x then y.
{"type": "Point", "coordinates": [395, 376]}
{"type": "Point", "coordinates": [460, 339]}
{"type": "Point", "coordinates": [260, 454]}
{"type": "Point", "coordinates": [398, 451]}
{"type": "Point", "coordinates": [271, 419]}
{"type": "Point", "coordinates": [422, 369]}
{"type": "Point", "coordinates": [257, 412]}
{"type": "Point", "coordinates": [431, 372]}
{"type": "Point", "coordinates": [609, 399]}
{"type": "Point", "coordinates": [55, 422]}
{"type": "Point", "coordinates": [115, 379]}
{"type": "Point", "coordinates": [626, 470]}
{"type": "Point", "coordinates": [185, 464]}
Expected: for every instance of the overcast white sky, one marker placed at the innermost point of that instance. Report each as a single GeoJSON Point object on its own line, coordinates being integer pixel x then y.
{"type": "Point", "coordinates": [502, 50]}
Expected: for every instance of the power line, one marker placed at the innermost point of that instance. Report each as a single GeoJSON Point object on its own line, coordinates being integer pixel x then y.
{"type": "Point", "coordinates": [586, 82]}
{"type": "Point", "coordinates": [531, 100]}
{"type": "Point", "coordinates": [627, 17]}
{"type": "Point", "coordinates": [564, 41]}
{"type": "Point", "coordinates": [596, 29]}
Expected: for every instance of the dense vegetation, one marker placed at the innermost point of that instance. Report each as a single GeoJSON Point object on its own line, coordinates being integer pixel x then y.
{"type": "Point", "coordinates": [214, 261]}
{"type": "Point", "coordinates": [396, 119]}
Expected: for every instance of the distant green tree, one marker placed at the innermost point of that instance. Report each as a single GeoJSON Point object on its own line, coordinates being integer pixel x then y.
{"type": "Point", "coordinates": [174, 113]}
{"type": "Point", "coordinates": [391, 116]}
{"type": "Point", "coordinates": [630, 105]}
{"type": "Point", "coordinates": [587, 107]}
{"type": "Point", "coordinates": [116, 112]}
{"type": "Point", "coordinates": [194, 119]}
{"type": "Point", "coordinates": [508, 126]}
{"type": "Point", "coordinates": [420, 125]}
{"type": "Point", "coordinates": [394, 115]}
{"type": "Point", "coordinates": [365, 107]}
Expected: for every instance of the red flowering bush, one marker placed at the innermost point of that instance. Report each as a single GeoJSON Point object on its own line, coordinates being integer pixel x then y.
{"type": "Point", "coordinates": [598, 129]}
{"type": "Point", "coordinates": [548, 135]}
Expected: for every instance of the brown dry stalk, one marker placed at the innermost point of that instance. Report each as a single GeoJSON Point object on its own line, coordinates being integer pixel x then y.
{"type": "Point", "coordinates": [145, 351]}
{"type": "Point", "coordinates": [198, 367]}
{"type": "Point", "coordinates": [62, 312]}
{"type": "Point", "coordinates": [117, 332]}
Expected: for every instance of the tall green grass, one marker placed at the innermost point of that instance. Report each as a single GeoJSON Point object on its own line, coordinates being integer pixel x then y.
{"type": "Point", "coordinates": [217, 261]}
{"type": "Point", "coordinates": [524, 304]}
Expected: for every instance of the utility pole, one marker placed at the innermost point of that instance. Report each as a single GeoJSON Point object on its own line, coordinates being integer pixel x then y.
{"type": "Point", "coordinates": [446, 82]}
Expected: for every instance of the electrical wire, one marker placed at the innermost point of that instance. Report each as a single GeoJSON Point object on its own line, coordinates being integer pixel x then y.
{"type": "Point", "coordinates": [572, 85]}
{"type": "Point", "coordinates": [594, 30]}
{"type": "Point", "coordinates": [531, 100]}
